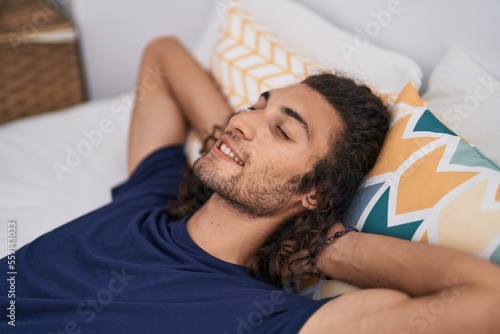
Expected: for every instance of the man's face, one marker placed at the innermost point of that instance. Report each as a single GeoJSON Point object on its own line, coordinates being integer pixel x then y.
{"type": "Point", "coordinates": [257, 163]}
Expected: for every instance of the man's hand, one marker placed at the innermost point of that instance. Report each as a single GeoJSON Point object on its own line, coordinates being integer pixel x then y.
{"type": "Point", "coordinates": [335, 228]}
{"type": "Point", "coordinates": [173, 91]}
{"type": "Point", "coordinates": [305, 253]}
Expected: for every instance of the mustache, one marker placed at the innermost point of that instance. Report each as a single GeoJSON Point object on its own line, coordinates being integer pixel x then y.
{"type": "Point", "coordinates": [237, 145]}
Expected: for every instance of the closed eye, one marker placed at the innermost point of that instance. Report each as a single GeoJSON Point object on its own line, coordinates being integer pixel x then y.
{"type": "Point", "coordinates": [278, 128]}
{"type": "Point", "coordinates": [282, 133]}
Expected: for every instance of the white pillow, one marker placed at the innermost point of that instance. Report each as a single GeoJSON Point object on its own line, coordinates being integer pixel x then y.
{"type": "Point", "coordinates": [58, 166]}
{"type": "Point", "coordinates": [321, 41]}
{"type": "Point", "coordinates": [467, 100]}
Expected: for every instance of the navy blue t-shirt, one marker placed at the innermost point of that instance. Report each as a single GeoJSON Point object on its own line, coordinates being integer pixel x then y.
{"type": "Point", "coordinates": [128, 268]}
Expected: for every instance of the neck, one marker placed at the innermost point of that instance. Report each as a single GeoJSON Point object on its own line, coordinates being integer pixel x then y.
{"type": "Point", "coordinates": [228, 234]}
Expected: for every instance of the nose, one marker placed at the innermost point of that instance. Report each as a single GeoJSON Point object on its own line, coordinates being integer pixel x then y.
{"type": "Point", "coordinates": [245, 124]}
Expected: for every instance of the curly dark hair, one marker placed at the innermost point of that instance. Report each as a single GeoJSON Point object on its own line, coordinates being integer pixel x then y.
{"type": "Point", "coordinates": [354, 148]}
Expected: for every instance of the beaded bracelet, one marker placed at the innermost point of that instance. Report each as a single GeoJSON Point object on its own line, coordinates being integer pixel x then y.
{"type": "Point", "coordinates": [323, 244]}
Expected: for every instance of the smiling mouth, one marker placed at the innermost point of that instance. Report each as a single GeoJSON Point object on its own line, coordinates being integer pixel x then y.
{"type": "Point", "coordinates": [227, 151]}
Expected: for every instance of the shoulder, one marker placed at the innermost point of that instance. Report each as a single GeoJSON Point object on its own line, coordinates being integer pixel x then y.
{"type": "Point", "coordinates": [157, 177]}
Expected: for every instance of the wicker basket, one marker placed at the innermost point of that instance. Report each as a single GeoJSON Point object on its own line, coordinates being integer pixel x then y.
{"type": "Point", "coordinates": [39, 63]}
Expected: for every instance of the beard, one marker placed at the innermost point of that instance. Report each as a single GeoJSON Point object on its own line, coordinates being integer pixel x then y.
{"type": "Point", "coordinates": [256, 194]}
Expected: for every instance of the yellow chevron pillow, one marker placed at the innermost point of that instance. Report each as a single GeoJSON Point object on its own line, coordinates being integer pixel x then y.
{"type": "Point", "coordinates": [248, 60]}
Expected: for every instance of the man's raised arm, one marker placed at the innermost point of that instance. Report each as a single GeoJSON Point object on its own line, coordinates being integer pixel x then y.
{"type": "Point", "coordinates": [172, 90]}
{"type": "Point", "coordinates": [416, 288]}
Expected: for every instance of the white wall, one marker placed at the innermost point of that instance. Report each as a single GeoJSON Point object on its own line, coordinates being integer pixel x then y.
{"type": "Point", "coordinates": [114, 32]}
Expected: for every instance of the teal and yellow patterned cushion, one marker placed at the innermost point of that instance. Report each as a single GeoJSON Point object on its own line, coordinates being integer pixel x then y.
{"type": "Point", "coordinates": [428, 185]}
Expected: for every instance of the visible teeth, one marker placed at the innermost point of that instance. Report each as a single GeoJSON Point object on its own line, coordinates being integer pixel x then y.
{"type": "Point", "coordinates": [227, 151]}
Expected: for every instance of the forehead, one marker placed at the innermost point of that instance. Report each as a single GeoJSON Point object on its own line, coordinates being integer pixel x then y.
{"type": "Point", "coordinates": [320, 116]}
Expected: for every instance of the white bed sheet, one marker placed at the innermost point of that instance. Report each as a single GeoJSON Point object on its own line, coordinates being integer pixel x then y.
{"type": "Point", "coordinates": [31, 192]}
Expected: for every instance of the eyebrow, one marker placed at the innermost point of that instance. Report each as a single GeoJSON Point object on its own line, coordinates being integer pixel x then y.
{"type": "Point", "coordinates": [291, 113]}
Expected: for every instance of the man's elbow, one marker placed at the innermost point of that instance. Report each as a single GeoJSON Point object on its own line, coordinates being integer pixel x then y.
{"type": "Point", "coordinates": [162, 43]}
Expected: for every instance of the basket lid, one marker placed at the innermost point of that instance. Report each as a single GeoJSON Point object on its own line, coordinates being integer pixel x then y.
{"type": "Point", "coordinates": [31, 17]}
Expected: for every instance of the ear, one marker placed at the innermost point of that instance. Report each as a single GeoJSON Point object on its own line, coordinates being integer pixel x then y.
{"type": "Point", "coordinates": [310, 200]}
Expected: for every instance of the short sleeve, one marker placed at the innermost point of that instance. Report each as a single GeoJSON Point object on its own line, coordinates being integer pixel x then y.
{"type": "Point", "coordinates": [155, 180]}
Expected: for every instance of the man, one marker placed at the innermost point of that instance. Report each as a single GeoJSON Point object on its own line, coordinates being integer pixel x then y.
{"type": "Point", "coordinates": [128, 267]}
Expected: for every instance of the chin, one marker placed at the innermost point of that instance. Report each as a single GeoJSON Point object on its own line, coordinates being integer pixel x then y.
{"type": "Point", "coordinates": [206, 169]}
{"type": "Point", "coordinates": [255, 194]}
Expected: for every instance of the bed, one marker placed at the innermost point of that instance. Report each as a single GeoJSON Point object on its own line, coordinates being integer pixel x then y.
{"type": "Point", "coordinates": [437, 180]}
